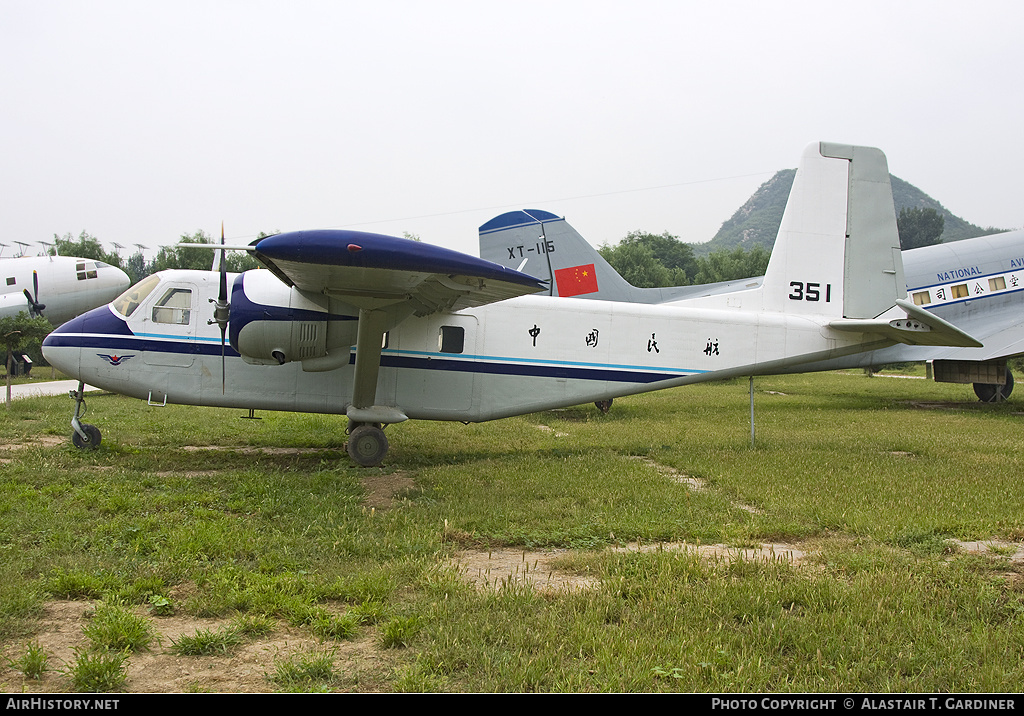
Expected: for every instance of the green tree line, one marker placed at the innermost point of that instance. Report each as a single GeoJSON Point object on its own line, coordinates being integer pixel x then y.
{"type": "Point", "coordinates": [657, 260]}
{"type": "Point", "coordinates": [137, 267]}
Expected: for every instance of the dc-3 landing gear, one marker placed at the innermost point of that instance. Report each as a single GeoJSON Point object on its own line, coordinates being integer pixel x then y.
{"type": "Point", "coordinates": [994, 393]}
{"type": "Point", "coordinates": [367, 445]}
{"type": "Point", "coordinates": [84, 435]}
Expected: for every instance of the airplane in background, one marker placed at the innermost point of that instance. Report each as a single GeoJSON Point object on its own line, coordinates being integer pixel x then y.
{"type": "Point", "coordinates": [440, 335]}
{"type": "Point", "coordinates": [975, 284]}
{"type": "Point", "coordinates": [57, 287]}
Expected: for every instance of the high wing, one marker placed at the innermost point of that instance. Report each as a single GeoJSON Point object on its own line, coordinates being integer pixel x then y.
{"type": "Point", "coordinates": [373, 269]}
{"type": "Point", "coordinates": [387, 279]}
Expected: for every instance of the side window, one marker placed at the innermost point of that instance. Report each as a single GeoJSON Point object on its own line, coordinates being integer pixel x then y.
{"type": "Point", "coordinates": [85, 270]}
{"type": "Point", "coordinates": [452, 339]}
{"type": "Point", "coordinates": [174, 307]}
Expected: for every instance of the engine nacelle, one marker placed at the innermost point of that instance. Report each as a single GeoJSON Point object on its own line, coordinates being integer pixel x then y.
{"type": "Point", "coordinates": [273, 324]}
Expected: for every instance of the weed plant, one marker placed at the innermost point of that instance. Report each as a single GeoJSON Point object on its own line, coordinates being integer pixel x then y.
{"type": "Point", "coordinates": [305, 672]}
{"type": "Point", "coordinates": [114, 627]}
{"type": "Point", "coordinates": [98, 671]}
{"type": "Point", "coordinates": [34, 662]}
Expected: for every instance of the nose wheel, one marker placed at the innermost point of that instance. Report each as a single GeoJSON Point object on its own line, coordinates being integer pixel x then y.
{"type": "Point", "coordinates": [84, 435]}
{"type": "Point", "coordinates": [367, 444]}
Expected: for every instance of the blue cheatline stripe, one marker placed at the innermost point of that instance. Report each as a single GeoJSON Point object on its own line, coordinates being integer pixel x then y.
{"type": "Point", "coordinates": [122, 343]}
{"type": "Point", "coordinates": [496, 365]}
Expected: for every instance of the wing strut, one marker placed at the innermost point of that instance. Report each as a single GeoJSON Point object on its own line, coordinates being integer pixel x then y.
{"type": "Point", "coordinates": [369, 342]}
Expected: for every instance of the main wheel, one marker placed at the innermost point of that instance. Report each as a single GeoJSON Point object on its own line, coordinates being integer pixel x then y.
{"type": "Point", "coordinates": [91, 440]}
{"type": "Point", "coordinates": [604, 405]}
{"type": "Point", "coordinates": [993, 393]}
{"type": "Point", "coordinates": [367, 445]}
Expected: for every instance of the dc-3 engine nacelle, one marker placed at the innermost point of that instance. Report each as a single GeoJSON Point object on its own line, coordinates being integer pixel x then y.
{"type": "Point", "coordinates": [273, 324]}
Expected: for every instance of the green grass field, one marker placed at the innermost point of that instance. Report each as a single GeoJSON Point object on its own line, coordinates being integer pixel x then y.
{"type": "Point", "coordinates": [198, 513]}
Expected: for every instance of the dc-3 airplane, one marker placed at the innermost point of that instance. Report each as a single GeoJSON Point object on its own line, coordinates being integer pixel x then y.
{"type": "Point", "coordinates": [440, 335]}
{"type": "Point", "coordinates": [975, 284]}
{"type": "Point", "coordinates": [62, 287]}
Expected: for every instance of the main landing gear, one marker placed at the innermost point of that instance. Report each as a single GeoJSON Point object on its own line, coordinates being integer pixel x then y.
{"type": "Point", "coordinates": [84, 435]}
{"type": "Point", "coordinates": [994, 393]}
{"type": "Point", "coordinates": [367, 444]}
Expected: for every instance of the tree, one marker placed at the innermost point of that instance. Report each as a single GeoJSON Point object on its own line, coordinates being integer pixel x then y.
{"type": "Point", "coordinates": [652, 260]}
{"type": "Point", "coordinates": [729, 265]}
{"type": "Point", "coordinates": [636, 263]}
{"type": "Point", "coordinates": [920, 227]}
{"type": "Point", "coordinates": [19, 332]}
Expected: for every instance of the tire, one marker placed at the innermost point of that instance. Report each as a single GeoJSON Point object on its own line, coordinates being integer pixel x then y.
{"type": "Point", "coordinates": [367, 445]}
{"type": "Point", "coordinates": [91, 440]}
{"type": "Point", "coordinates": [992, 392]}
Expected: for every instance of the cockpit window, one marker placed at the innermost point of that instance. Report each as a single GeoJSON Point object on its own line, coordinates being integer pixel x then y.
{"type": "Point", "coordinates": [127, 302]}
{"type": "Point", "coordinates": [174, 307]}
{"type": "Point", "coordinates": [86, 270]}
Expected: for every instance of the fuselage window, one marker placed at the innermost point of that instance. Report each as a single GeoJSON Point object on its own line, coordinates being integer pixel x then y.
{"type": "Point", "coordinates": [11, 280]}
{"type": "Point", "coordinates": [922, 298]}
{"type": "Point", "coordinates": [960, 291]}
{"type": "Point", "coordinates": [996, 284]}
{"type": "Point", "coordinates": [174, 307]}
{"type": "Point", "coordinates": [452, 339]}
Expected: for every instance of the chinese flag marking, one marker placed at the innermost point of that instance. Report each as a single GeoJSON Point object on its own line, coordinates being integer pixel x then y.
{"type": "Point", "coordinates": [575, 280]}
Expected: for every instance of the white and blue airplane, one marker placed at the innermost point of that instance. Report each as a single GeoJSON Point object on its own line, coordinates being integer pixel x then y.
{"type": "Point", "coordinates": [383, 329]}
{"type": "Point", "coordinates": [57, 287]}
{"type": "Point", "coordinates": [975, 284]}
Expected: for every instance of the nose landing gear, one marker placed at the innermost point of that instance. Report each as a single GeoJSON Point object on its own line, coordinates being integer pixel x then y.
{"type": "Point", "coordinates": [84, 435]}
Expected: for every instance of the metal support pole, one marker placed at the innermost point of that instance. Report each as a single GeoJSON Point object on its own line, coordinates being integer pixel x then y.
{"type": "Point", "coordinates": [751, 411]}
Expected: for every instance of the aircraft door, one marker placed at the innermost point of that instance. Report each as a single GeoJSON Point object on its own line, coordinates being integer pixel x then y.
{"type": "Point", "coordinates": [170, 324]}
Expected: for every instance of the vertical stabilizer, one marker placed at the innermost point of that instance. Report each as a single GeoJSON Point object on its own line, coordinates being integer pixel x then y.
{"type": "Point", "coordinates": [543, 245]}
{"type": "Point", "coordinates": [837, 252]}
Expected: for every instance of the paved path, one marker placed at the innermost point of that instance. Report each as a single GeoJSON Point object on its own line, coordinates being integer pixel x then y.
{"type": "Point", "coordinates": [55, 387]}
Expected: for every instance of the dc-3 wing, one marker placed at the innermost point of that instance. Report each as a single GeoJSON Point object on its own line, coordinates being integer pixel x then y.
{"type": "Point", "coordinates": [387, 279]}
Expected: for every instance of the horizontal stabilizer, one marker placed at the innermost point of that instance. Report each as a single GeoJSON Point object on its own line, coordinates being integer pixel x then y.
{"type": "Point", "coordinates": [919, 328]}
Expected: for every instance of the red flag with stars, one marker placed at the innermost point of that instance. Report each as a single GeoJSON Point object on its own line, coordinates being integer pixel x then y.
{"type": "Point", "coordinates": [575, 280]}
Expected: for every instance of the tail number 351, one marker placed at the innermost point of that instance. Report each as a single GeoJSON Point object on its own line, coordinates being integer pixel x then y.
{"type": "Point", "coordinates": [809, 291]}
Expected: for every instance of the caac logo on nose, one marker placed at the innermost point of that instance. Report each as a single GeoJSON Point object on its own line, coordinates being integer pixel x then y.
{"type": "Point", "coordinates": [114, 360]}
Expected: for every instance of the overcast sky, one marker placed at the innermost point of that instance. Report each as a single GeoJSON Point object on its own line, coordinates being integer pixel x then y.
{"type": "Point", "coordinates": [140, 121]}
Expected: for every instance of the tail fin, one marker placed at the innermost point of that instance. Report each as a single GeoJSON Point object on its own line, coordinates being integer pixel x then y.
{"type": "Point", "coordinates": [545, 246]}
{"type": "Point", "coordinates": [838, 249]}
{"type": "Point", "coordinates": [839, 229]}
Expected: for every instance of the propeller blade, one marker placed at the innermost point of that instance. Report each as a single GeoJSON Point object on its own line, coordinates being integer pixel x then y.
{"type": "Point", "coordinates": [34, 307]}
{"type": "Point", "coordinates": [222, 312]}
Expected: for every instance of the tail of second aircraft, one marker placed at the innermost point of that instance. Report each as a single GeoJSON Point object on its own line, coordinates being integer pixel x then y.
{"type": "Point", "coordinates": [544, 245]}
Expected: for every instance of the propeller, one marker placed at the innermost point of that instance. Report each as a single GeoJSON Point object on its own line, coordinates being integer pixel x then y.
{"type": "Point", "coordinates": [222, 310]}
{"type": "Point", "coordinates": [35, 308]}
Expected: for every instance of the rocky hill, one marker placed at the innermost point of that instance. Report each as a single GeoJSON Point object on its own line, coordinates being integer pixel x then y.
{"type": "Point", "coordinates": [757, 222]}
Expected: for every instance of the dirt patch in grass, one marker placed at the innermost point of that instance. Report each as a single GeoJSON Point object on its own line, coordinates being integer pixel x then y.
{"type": "Point", "coordinates": [382, 490]}
{"type": "Point", "coordinates": [493, 568]}
{"type": "Point", "coordinates": [36, 441]}
{"type": "Point", "coordinates": [359, 664]}
{"type": "Point", "coordinates": [249, 450]}
{"type": "Point", "coordinates": [1012, 552]}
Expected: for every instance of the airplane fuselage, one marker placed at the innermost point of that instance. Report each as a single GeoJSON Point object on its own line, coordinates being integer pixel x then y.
{"type": "Point", "coordinates": [67, 285]}
{"type": "Point", "coordinates": [517, 356]}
